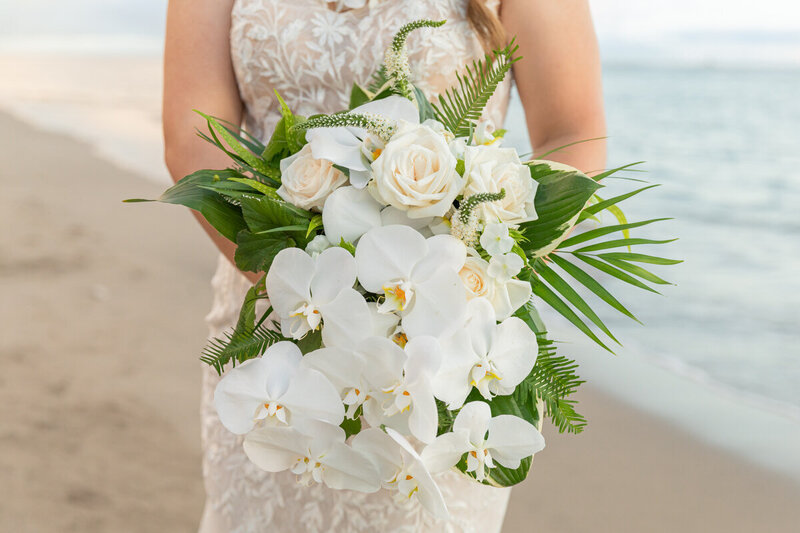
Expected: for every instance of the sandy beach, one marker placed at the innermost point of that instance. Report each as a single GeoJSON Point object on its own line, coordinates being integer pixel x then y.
{"type": "Point", "coordinates": [102, 321]}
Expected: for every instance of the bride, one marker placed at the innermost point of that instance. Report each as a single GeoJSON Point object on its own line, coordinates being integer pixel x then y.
{"type": "Point", "coordinates": [226, 57]}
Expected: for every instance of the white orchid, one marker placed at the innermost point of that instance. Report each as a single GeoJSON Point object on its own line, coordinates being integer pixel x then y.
{"type": "Point", "coordinates": [493, 358]}
{"type": "Point", "coordinates": [504, 439]}
{"type": "Point", "coordinates": [401, 468]}
{"type": "Point", "coordinates": [417, 277]}
{"type": "Point", "coordinates": [306, 291]}
{"type": "Point", "coordinates": [398, 380]}
{"type": "Point", "coordinates": [345, 369]}
{"type": "Point", "coordinates": [496, 239]}
{"type": "Point", "coordinates": [349, 213]}
{"type": "Point", "coordinates": [315, 451]}
{"type": "Point", "coordinates": [275, 389]}
{"type": "Point", "coordinates": [344, 146]}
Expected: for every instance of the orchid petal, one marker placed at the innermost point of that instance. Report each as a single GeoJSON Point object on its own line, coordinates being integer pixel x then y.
{"type": "Point", "coordinates": [445, 451]}
{"type": "Point", "coordinates": [347, 319]}
{"type": "Point", "coordinates": [239, 393]}
{"type": "Point", "coordinates": [337, 145]}
{"type": "Point", "coordinates": [511, 439]}
{"type": "Point", "coordinates": [514, 352]}
{"type": "Point", "coordinates": [288, 280]}
{"type": "Point", "coordinates": [388, 253]}
{"type": "Point", "coordinates": [274, 449]}
{"type": "Point", "coordinates": [393, 216]}
{"type": "Point", "coordinates": [383, 324]}
{"type": "Point", "coordinates": [359, 178]}
{"type": "Point", "coordinates": [480, 325]}
{"type": "Point", "coordinates": [348, 469]}
{"type": "Point", "coordinates": [280, 362]}
{"type": "Point", "coordinates": [473, 419]}
{"type": "Point", "coordinates": [342, 367]}
{"type": "Point", "coordinates": [444, 251]}
{"type": "Point", "coordinates": [438, 307]}
{"type": "Point", "coordinates": [349, 213]}
{"type": "Point", "coordinates": [429, 494]}
{"type": "Point", "coordinates": [335, 269]}
{"type": "Point", "coordinates": [312, 395]}
{"type": "Point", "coordinates": [509, 297]}
{"type": "Point", "coordinates": [381, 450]}
{"type": "Point", "coordinates": [384, 361]}
{"type": "Point", "coordinates": [392, 107]}
{"type": "Point", "coordinates": [423, 419]}
{"type": "Point", "coordinates": [452, 383]}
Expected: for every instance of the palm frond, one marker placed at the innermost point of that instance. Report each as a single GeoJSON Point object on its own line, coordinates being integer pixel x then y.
{"type": "Point", "coordinates": [460, 108]}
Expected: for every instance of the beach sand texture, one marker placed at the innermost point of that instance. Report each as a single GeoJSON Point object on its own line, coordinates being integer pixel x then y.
{"type": "Point", "coordinates": [102, 308]}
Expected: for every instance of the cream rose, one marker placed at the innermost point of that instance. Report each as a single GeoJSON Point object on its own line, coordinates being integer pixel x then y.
{"type": "Point", "coordinates": [491, 169]}
{"type": "Point", "coordinates": [416, 173]}
{"type": "Point", "coordinates": [505, 296]}
{"type": "Point", "coordinates": [307, 182]}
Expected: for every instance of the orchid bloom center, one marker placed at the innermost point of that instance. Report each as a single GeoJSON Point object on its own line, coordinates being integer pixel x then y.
{"type": "Point", "coordinates": [271, 411]}
{"type": "Point", "coordinates": [398, 399]}
{"type": "Point", "coordinates": [406, 484]}
{"type": "Point", "coordinates": [483, 376]}
{"type": "Point", "coordinates": [308, 312]}
{"type": "Point", "coordinates": [308, 469]}
{"type": "Point", "coordinates": [353, 398]}
{"type": "Point", "coordinates": [397, 296]}
{"type": "Point", "coordinates": [479, 460]}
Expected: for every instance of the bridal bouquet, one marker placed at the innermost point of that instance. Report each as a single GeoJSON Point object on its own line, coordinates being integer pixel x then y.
{"type": "Point", "coordinates": [405, 254]}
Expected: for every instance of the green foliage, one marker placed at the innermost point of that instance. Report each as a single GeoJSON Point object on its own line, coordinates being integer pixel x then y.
{"type": "Point", "coordinates": [426, 110]}
{"type": "Point", "coordinates": [560, 197]}
{"type": "Point", "coordinates": [195, 191]}
{"type": "Point", "coordinates": [460, 108]}
{"type": "Point", "coordinates": [287, 139]}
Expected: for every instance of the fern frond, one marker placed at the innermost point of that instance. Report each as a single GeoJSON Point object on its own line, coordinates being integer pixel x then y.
{"type": "Point", "coordinates": [379, 80]}
{"type": "Point", "coordinates": [238, 347]}
{"type": "Point", "coordinates": [552, 380]}
{"type": "Point", "coordinates": [460, 108]}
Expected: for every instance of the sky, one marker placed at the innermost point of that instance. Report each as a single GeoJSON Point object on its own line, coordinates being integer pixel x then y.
{"type": "Point", "coordinates": [627, 28]}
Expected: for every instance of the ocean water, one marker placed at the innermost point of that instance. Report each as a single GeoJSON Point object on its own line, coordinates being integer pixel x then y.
{"type": "Point", "coordinates": [725, 145]}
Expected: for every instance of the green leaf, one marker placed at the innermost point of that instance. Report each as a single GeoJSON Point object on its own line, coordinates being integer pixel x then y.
{"type": "Point", "coordinates": [359, 96]}
{"type": "Point", "coordinates": [617, 243]}
{"type": "Point", "coordinates": [242, 151]}
{"type": "Point", "coordinates": [555, 281]}
{"type": "Point", "coordinates": [314, 224]}
{"type": "Point", "coordinates": [551, 298]}
{"type": "Point", "coordinates": [312, 341]}
{"type": "Point", "coordinates": [239, 347]}
{"type": "Point", "coordinates": [257, 185]}
{"type": "Point", "coordinates": [255, 252]}
{"type": "Point", "coordinates": [607, 173]}
{"type": "Point", "coordinates": [613, 271]}
{"type": "Point", "coordinates": [461, 107]}
{"type": "Point", "coordinates": [590, 283]}
{"type": "Point", "coordinates": [636, 270]}
{"type": "Point", "coordinates": [640, 258]}
{"type": "Point", "coordinates": [347, 246]}
{"type": "Point", "coordinates": [263, 213]}
{"type": "Point", "coordinates": [351, 426]}
{"type": "Point", "coordinates": [426, 110]}
{"type": "Point", "coordinates": [605, 230]}
{"type": "Point", "coordinates": [560, 197]}
{"type": "Point", "coordinates": [221, 214]}
{"type": "Point", "coordinates": [596, 208]}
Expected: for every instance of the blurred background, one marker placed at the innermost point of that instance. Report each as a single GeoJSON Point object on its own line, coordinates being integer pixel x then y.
{"type": "Point", "coordinates": [693, 426]}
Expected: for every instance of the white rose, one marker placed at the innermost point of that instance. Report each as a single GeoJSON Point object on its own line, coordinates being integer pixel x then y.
{"type": "Point", "coordinates": [307, 182]}
{"type": "Point", "coordinates": [505, 297]}
{"type": "Point", "coordinates": [416, 173]}
{"type": "Point", "coordinates": [491, 169]}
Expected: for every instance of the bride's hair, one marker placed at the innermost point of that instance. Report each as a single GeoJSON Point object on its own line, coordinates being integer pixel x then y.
{"type": "Point", "coordinates": [486, 24]}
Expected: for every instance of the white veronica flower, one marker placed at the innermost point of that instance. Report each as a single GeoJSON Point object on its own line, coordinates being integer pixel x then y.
{"type": "Point", "coordinates": [418, 277]}
{"type": "Point", "coordinates": [505, 439]}
{"type": "Point", "coordinates": [306, 181]}
{"type": "Point", "coordinates": [492, 169]}
{"type": "Point", "coordinates": [505, 298]}
{"type": "Point", "coordinates": [493, 358]}
{"type": "Point", "coordinates": [496, 240]}
{"type": "Point", "coordinates": [343, 145]}
{"type": "Point", "coordinates": [276, 389]}
{"type": "Point", "coordinates": [400, 394]}
{"type": "Point", "coordinates": [504, 267]}
{"type": "Point", "coordinates": [306, 291]}
{"type": "Point", "coordinates": [401, 468]}
{"type": "Point", "coordinates": [315, 451]}
{"type": "Point", "coordinates": [416, 173]}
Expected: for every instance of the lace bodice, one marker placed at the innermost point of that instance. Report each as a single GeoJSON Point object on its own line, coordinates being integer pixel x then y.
{"type": "Point", "coordinates": [311, 51]}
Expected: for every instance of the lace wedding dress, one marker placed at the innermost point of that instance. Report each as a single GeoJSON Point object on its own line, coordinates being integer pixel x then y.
{"type": "Point", "coordinates": [311, 51]}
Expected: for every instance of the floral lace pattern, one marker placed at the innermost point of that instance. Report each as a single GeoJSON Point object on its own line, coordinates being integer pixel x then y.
{"type": "Point", "coordinates": [311, 51]}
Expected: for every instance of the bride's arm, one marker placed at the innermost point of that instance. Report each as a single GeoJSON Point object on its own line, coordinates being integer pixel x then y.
{"type": "Point", "coordinates": [559, 79]}
{"type": "Point", "coordinates": [198, 74]}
